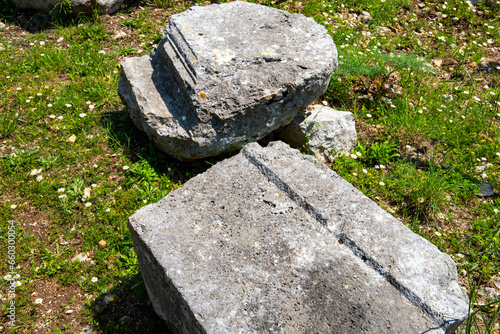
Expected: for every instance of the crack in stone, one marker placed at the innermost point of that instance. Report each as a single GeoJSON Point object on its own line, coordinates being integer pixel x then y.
{"type": "Point", "coordinates": [343, 239]}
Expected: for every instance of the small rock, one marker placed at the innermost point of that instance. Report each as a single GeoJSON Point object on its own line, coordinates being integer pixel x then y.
{"type": "Point", "coordinates": [86, 193]}
{"type": "Point", "coordinates": [80, 257]}
{"type": "Point", "coordinates": [496, 281]}
{"type": "Point", "coordinates": [438, 62]}
{"type": "Point", "coordinates": [487, 292]}
{"type": "Point", "coordinates": [87, 330]}
{"type": "Point", "coordinates": [71, 139]}
{"type": "Point", "coordinates": [480, 169]}
{"type": "Point", "coordinates": [366, 16]}
{"type": "Point", "coordinates": [102, 243]}
{"type": "Point", "coordinates": [119, 34]}
{"type": "Point", "coordinates": [485, 190]}
{"type": "Point", "coordinates": [69, 311]}
{"type": "Point", "coordinates": [60, 40]}
{"type": "Point", "coordinates": [124, 318]}
{"type": "Point", "coordinates": [324, 131]}
{"type": "Point", "coordinates": [109, 298]}
{"type": "Point", "coordinates": [383, 30]}
{"type": "Point", "coordinates": [2, 25]}
{"type": "Point", "coordinates": [365, 96]}
{"type": "Point", "coordinates": [472, 3]}
{"type": "Point", "coordinates": [2, 47]}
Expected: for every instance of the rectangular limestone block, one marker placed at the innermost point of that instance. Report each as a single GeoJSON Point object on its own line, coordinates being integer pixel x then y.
{"type": "Point", "coordinates": [271, 240]}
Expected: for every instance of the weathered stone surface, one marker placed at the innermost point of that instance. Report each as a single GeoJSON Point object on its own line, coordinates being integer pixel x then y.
{"type": "Point", "coordinates": [226, 75]}
{"type": "Point", "coordinates": [485, 190]}
{"type": "Point", "coordinates": [109, 6]}
{"type": "Point", "coordinates": [78, 6]}
{"type": "Point", "coordinates": [82, 6]}
{"type": "Point", "coordinates": [325, 131]}
{"type": "Point", "coordinates": [273, 240]}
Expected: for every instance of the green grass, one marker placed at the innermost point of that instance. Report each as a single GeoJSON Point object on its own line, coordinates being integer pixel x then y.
{"type": "Point", "coordinates": [423, 82]}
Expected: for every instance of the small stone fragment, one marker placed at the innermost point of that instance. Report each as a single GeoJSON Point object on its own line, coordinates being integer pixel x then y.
{"type": "Point", "coordinates": [438, 62]}
{"type": "Point", "coordinates": [109, 298]}
{"type": "Point", "coordinates": [383, 29]}
{"type": "Point", "coordinates": [86, 193]}
{"type": "Point", "coordinates": [124, 318]}
{"type": "Point", "coordinates": [102, 243]}
{"type": "Point", "coordinates": [77, 6]}
{"type": "Point", "coordinates": [487, 292]}
{"type": "Point", "coordinates": [496, 281]}
{"type": "Point", "coordinates": [82, 257]}
{"type": "Point", "coordinates": [71, 139]}
{"type": "Point", "coordinates": [485, 190]}
{"type": "Point", "coordinates": [119, 34]}
{"type": "Point", "coordinates": [323, 130]}
{"type": "Point", "coordinates": [366, 16]}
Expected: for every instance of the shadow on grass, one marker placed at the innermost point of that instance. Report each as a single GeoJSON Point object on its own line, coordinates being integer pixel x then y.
{"type": "Point", "coordinates": [122, 133]}
{"type": "Point", "coordinates": [126, 309]}
{"type": "Point", "coordinates": [34, 21]}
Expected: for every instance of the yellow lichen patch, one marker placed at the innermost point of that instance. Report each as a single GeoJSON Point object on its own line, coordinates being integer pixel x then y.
{"type": "Point", "coordinates": [186, 28]}
{"type": "Point", "coordinates": [203, 95]}
{"type": "Point", "coordinates": [265, 51]}
{"type": "Point", "coordinates": [193, 59]}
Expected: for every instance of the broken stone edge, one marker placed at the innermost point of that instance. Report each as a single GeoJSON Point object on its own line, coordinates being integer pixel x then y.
{"type": "Point", "coordinates": [86, 7]}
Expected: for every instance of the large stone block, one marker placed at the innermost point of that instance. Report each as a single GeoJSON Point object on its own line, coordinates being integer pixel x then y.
{"type": "Point", "coordinates": [273, 240]}
{"type": "Point", "coordinates": [226, 75]}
